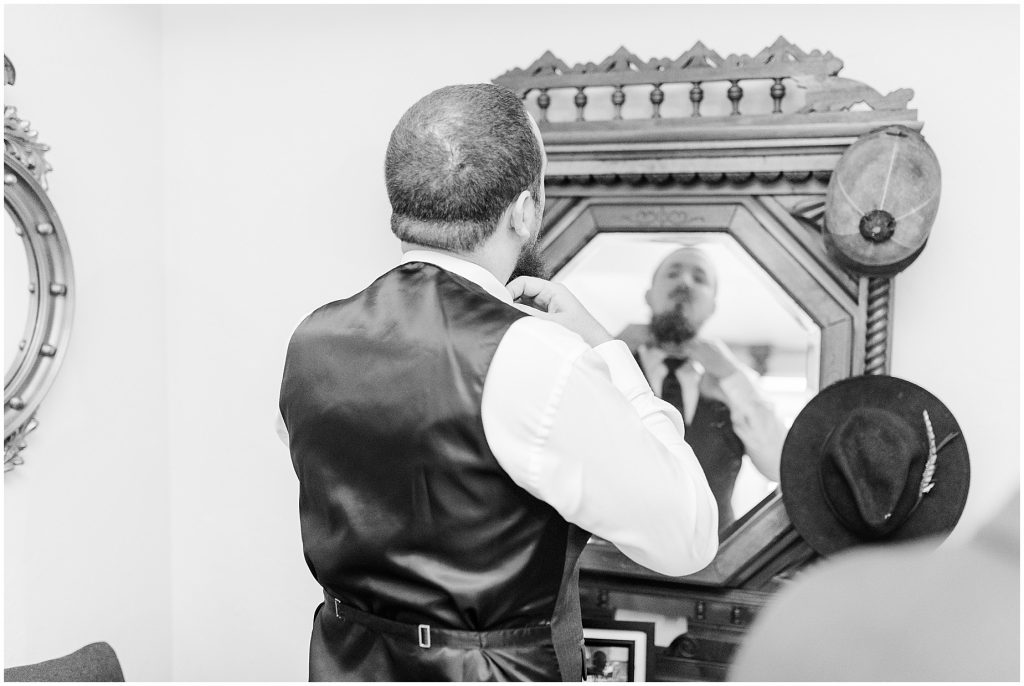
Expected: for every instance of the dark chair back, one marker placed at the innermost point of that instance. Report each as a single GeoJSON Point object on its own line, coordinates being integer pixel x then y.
{"type": "Point", "coordinates": [94, 662]}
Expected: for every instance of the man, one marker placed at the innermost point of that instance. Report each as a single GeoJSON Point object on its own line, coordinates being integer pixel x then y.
{"type": "Point", "coordinates": [454, 449]}
{"type": "Point", "coordinates": [598, 663]}
{"type": "Point", "coordinates": [725, 414]}
{"type": "Point", "coordinates": [601, 670]}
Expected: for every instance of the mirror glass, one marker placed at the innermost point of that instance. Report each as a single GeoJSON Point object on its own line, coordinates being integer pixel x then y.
{"type": "Point", "coordinates": [16, 294]}
{"type": "Point", "coordinates": [765, 330]}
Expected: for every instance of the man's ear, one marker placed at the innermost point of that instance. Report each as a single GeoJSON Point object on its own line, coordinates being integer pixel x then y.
{"type": "Point", "coordinates": [647, 298]}
{"type": "Point", "coordinates": [522, 211]}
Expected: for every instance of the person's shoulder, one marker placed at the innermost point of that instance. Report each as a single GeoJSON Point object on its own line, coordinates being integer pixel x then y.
{"type": "Point", "coordinates": [322, 316]}
{"type": "Point", "coordinates": [323, 312]}
{"type": "Point", "coordinates": [537, 336]}
{"type": "Point", "coordinates": [313, 315]}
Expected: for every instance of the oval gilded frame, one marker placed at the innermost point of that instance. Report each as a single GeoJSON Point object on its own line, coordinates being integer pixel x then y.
{"type": "Point", "coordinates": [51, 283]}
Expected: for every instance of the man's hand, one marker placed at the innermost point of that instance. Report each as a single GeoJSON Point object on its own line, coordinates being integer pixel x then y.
{"type": "Point", "coordinates": [555, 302]}
{"type": "Point", "coordinates": [715, 356]}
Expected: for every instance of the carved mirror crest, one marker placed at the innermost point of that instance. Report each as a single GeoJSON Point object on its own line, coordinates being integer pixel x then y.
{"type": "Point", "coordinates": [38, 282]}
{"type": "Point", "coordinates": [732, 154]}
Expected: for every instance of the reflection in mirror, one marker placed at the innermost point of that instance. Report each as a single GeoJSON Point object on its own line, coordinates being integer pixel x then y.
{"type": "Point", "coordinates": [763, 332]}
{"type": "Point", "coordinates": [16, 295]}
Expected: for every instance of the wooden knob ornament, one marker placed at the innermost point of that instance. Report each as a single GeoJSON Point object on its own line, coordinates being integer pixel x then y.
{"type": "Point", "coordinates": [882, 200]}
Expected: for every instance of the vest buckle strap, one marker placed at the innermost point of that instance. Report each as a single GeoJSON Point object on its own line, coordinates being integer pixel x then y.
{"type": "Point", "coordinates": [427, 636]}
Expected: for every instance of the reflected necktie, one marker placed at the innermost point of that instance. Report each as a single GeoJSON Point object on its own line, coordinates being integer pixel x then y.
{"type": "Point", "coordinates": [671, 391]}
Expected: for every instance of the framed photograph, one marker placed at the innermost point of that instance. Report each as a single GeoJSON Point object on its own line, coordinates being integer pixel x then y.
{"type": "Point", "coordinates": [618, 651]}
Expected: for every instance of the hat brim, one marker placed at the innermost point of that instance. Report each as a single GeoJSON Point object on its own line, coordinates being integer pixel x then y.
{"type": "Point", "coordinates": [802, 495]}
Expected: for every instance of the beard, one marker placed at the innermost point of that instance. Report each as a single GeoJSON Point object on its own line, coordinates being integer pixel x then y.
{"type": "Point", "coordinates": [530, 263]}
{"type": "Point", "coordinates": [672, 327]}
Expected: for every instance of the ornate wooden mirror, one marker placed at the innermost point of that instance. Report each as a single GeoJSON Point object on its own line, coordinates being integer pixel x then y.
{"type": "Point", "coordinates": [733, 154]}
{"type": "Point", "coordinates": [38, 282]}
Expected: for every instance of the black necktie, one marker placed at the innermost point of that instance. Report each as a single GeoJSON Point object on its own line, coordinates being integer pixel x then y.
{"type": "Point", "coordinates": [671, 391]}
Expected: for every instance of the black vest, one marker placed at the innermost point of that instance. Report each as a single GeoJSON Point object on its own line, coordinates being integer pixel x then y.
{"type": "Point", "coordinates": [405, 512]}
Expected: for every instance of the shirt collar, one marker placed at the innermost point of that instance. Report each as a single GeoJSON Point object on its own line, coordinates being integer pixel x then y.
{"type": "Point", "coordinates": [464, 268]}
{"type": "Point", "coordinates": [650, 356]}
{"type": "Point", "coordinates": [653, 357]}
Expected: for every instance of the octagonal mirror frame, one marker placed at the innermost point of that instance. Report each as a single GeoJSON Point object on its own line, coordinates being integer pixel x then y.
{"type": "Point", "coordinates": [785, 249]}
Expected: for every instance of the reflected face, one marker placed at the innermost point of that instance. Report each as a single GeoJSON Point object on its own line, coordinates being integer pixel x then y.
{"type": "Point", "coordinates": [614, 272]}
{"type": "Point", "coordinates": [684, 286]}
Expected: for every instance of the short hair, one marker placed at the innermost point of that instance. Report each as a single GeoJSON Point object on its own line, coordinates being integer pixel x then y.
{"type": "Point", "coordinates": [456, 160]}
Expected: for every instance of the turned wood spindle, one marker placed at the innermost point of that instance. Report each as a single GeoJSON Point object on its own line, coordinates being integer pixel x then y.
{"type": "Point", "coordinates": [580, 101]}
{"type": "Point", "coordinates": [778, 92]}
{"type": "Point", "coordinates": [735, 93]}
{"type": "Point", "coordinates": [657, 97]}
{"type": "Point", "coordinates": [543, 102]}
{"type": "Point", "coordinates": [618, 97]}
{"type": "Point", "coordinates": [696, 96]}
{"type": "Point", "coordinates": [877, 335]}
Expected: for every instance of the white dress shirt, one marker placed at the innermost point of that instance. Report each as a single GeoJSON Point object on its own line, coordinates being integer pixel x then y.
{"type": "Point", "coordinates": [754, 418]}
{"type": "Point", "coordinates": [579, 428]}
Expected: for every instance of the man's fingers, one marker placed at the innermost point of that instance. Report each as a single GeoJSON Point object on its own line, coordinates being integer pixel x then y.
{"type": "Point", "coordinates": [556, 303]}
{"type": "Point", "coordinates": [526, 286]}
{"type": "Point", "coordinates": [538, 290]}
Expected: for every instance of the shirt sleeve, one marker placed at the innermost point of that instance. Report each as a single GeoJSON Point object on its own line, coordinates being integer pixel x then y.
{"type": "Point", "coordinates": [579, 428]}
{"type": "Point", "coordinates": [755, 422]}
{"type": "Point", "coordinates": [280, 429]}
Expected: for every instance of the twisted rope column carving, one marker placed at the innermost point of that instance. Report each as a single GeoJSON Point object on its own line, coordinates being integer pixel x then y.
{"type": "Point", "coordinates": [877, 333]}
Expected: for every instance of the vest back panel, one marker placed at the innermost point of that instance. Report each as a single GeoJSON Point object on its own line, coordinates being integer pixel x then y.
{"type": "Point", "coordinates": [405, 512]}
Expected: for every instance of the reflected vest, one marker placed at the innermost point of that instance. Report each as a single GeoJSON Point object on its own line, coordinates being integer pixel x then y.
{"type": "Point", "coordinates": [406, 515]}
{"type": "Point", "coordinates": [718, 449]}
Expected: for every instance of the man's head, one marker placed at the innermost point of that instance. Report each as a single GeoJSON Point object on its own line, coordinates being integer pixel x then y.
{"type": "Point", "coordinates": [682, 295]}
{"type": "Point", "coordinates": [457, 161]}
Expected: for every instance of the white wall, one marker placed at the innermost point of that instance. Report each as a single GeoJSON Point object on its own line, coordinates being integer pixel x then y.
{"type": "Point", "coordinates": [87, 517]}
{"type": "Point", "coordinates": [274, 123]}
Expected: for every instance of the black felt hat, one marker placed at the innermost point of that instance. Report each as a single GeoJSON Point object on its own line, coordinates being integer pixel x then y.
{"type": "Point", "coordinates": [873, 459]}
